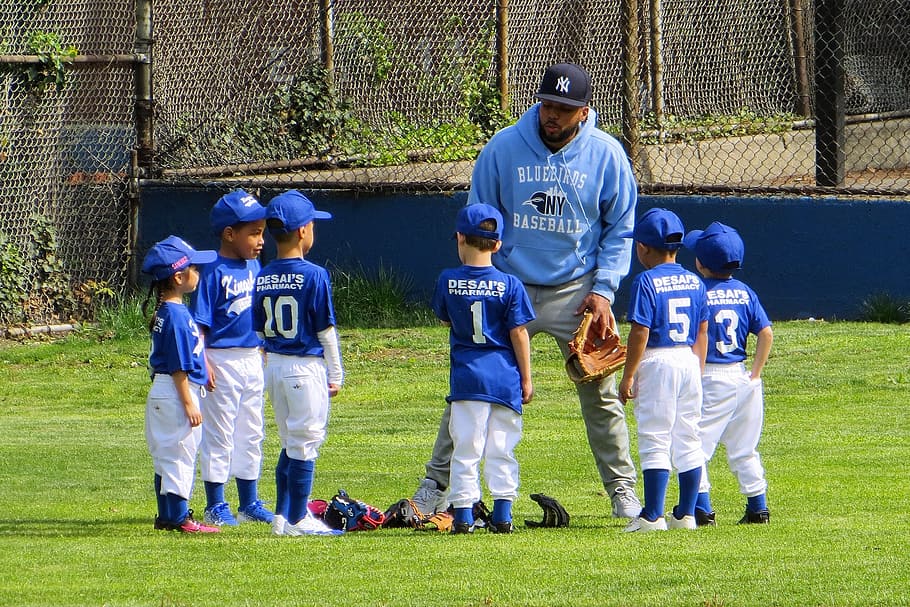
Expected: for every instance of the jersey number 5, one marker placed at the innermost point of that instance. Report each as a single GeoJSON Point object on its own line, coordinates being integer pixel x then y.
{"type": "Point", "coordinates": [281, 318]}
{"type": "Point", "coordinates": [677, 307]}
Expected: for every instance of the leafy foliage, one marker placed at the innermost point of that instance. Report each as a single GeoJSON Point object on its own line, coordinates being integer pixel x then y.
{"type": "Point", "coordinates": [12, 281]}
{"type": "Point", "coordinates": [885, 308]}
{"type": "Point", "coordinates": [51, 69]}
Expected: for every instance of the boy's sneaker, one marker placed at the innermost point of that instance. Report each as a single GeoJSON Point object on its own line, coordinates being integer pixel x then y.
{"type": "Point", "coordinates": [429, 498]}
{"type": "Point", "coordinates": [278, 524]}
{"type": "Point", "coordinates": [189, 525]}
{"type": "Point", "coordinates": [255, 513]}
{"type": "Point", "coordinates": [643, 525]}
{"type": "Point", "coordinates": [705, 519]}
{"type": "Point", "coordinates": [505, 527]}
{"type": "Point", "coordinates": [762, 517]}
{"type": "Point", "coordinates": [310, 525]}
{"type": "Point", "coordinates": [625, 503]}
{"type": "Point", "coordinates": [462, 528]}
{"type": "Point", "coordinates": [219, 515]}
{"type": "Point", "coordinates": [686, 522]}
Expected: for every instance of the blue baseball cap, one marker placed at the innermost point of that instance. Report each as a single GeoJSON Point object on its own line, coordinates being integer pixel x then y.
{"type": "Point", "coordinates": [470, 217]}
{"type": "Point", "coordinates": [659, 228]}
{"type": "Point", "coordinates": [565, 83]}
{"type": "Point", "coordinates": [293, 210]}
{"type": "Point", "coordinates": [718, 247]}
{"type": "Point", "coordinates": [233, 208]}
{"type": "Point", "coordinates": [172, 255]}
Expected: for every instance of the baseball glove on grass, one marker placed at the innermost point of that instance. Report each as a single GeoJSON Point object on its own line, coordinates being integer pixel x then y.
{"type": "Point", "coordinates": [592, 358]}
{"type": "Point", "coordinates": [403, 513]}
{"type": "Point", "coordinates": [554, 515]}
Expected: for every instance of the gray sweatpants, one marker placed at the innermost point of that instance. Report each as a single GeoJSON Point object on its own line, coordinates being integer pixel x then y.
{"type": "Point", "coordinates": [603, 414]}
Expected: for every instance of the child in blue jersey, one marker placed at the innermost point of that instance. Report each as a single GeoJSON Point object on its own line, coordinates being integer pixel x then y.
{"type": "Point", "coordinates": [733, 404]}
{"type": "Point", "coordinates": [666, 351]}
{"type": "Point", "coordinates": [490, 374]}
{"type": "Point", "coordinates": [293, 313]}
{"type": "Point", "coordinates": [178, 369]}
{"type": "Point", "coordinates": [234, 430]}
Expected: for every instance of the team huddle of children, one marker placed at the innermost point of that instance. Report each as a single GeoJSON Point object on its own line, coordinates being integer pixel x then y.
{"type": "Point", "coordinates": [685, 368]}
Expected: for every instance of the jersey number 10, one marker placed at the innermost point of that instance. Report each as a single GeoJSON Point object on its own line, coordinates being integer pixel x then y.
{"type": "Point", "coordinates": [282, 318]}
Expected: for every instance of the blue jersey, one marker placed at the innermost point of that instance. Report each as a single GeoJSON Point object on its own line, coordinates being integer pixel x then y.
{"type": "Point", "coordinates": [292, 303]}
{"type": "Point", "coordinates": [482, 304]}
{"type": "Point", "coordinates": [177, 344]}
{"type": "Point", "coordinates": [670, 301]}
{"type": "Point", "coordinates": [222, 302]}
{"type": "Point", "coordinates": [733, 312]}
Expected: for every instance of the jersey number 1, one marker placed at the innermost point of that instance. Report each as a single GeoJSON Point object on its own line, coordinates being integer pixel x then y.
{"type": "Point", "coordinates": [477, 321]}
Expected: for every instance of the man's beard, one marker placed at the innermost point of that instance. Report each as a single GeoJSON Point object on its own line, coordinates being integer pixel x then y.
{"type": "Point", "coordinates": [558, 140]}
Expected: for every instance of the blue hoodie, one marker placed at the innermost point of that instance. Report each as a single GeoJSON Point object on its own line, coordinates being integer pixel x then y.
{"type": "Point", "coordinates": [563, 211]}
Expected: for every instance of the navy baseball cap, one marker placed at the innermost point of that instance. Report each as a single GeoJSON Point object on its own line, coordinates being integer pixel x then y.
{"type": "Point", "coordinates": [172, 255]}
{"type": "Point", "coordinates": [293, 210]}
{"type": "Point", "coordinates": [659, 228]}
{"type": "Point", "coordinates": [233, 208]}
{"type": "Point", "coordinates": [470, 217]}
{"type": "Point", "coordinates": [565, 83]}
{"type": "Point", "coordinates": [718, 247]}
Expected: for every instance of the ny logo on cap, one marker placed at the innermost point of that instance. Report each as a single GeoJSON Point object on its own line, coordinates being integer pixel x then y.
{"type": "Point", "coordinates": [562, 85]}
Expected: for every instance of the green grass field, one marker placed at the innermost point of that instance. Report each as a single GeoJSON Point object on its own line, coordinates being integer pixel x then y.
{"type": "Point", "coordinates": [77, 502]}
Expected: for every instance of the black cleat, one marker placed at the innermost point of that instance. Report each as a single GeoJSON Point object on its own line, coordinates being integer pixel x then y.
{"type": "Point", "coordinates": [762, 517]}
{"type": "Point", "coordinates": [705, 519]}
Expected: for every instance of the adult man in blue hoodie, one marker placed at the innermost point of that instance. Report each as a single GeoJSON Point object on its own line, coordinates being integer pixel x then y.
{"type": "Point", "coordinates": [566, 191]}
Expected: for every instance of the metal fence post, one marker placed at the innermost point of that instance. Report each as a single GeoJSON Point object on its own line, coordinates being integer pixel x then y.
{"type": "Point", "coordinates": [829, 93]}
{"type": "Point", "coordinates": [502, 53]}
{"type": "Point", "coordinates": [631, 105]}
{"type": "Point", "coordinates": [142, 163]}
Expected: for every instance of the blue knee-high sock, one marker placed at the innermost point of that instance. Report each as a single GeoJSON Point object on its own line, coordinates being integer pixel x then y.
{"type": "Point", "coordinates": [162, 502]}
{"type": "Point", "coordinates": [214, 493]}
{"type": "Point", "coordinates": [300, 484]}
{"type": "Point", "coordinates": [756, 503]}
{"type": "Point", "coordinates": [247, 492]}
{"type": "Point", "coordinates": [177, 508]}
{"type": "Point", "coordinates": [464, 515]}
{"type": "Point", "coordinates": [656, 481]}
{"type": "Point", "coordinates": [281, 484]}
{"type": "Point", "coordinates": [688, 492]}
{"type": "Point", "coordinates": [703, 502]}
{"type": "Point", "coordinates": [502, 511]}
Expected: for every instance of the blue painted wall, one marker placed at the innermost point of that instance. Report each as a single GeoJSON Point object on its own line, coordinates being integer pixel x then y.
{"type": "Point", "coordinates": [805, 257]}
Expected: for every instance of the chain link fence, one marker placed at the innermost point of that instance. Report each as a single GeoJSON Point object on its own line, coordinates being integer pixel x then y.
{"type": "Point", "coordinates": [66, 131]}
{"type": "Point", "coordinates": [724, 96]}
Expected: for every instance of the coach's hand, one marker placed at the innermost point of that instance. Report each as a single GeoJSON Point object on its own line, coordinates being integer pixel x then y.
{"type": "Point", "coordinates": [601, 310]}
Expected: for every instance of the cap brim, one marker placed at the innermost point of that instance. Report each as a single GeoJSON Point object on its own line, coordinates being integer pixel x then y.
{"type": "Point", "coordinates": [628, 234]}
{"type": "Point", "coordinates": [322, 215]}
{"type": "Point", "coordinates": [200, 258]}
{"type": "Point", "coordinates": [691, 238]}
{"type": "Point", "coordinates": [562, 100]}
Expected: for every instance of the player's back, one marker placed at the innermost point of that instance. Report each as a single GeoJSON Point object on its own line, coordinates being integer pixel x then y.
{"type": "Point", "coordinates": [734, 311]}
{"type": "Point", "coordinates": [292, 303]}
{"type": "Point", "coordinates": [670, 301]}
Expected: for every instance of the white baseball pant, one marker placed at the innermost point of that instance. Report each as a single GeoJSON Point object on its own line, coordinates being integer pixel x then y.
{"type": "Point", "coordinates": [481, 430]}
{"type": "Point", "coordinates": [171, 440]}
{"type": "Point", "coordinates": [234, 427]}
{"type": "Point", "coordinates": [733, 414]}
{"type": "Point", "coordinates": [668, 408]}
{"type": "Point", "coordinates": [298, 389]}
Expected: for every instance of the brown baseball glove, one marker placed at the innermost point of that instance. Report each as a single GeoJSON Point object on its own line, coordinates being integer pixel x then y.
{"type": "Point", "coordinates": [592, 358]}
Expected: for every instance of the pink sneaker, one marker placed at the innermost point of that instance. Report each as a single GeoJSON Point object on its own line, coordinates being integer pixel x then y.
{"type": "Point", "coordinates": [189, 525]}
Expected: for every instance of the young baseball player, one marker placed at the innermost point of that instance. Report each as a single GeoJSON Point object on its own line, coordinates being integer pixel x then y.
{"type": "Point", "coordinates": [179, 374]}
{"type": "Point", "coordinates": [234, 430]}
{"type": "Point", "coordinates": [733, 405]}
{"type": "Point", "coordinates": [665, 354]}
{"type": "Point", "coordinates": [293, 313]}
{"type": "Point", "coordinates": [490, 374]}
